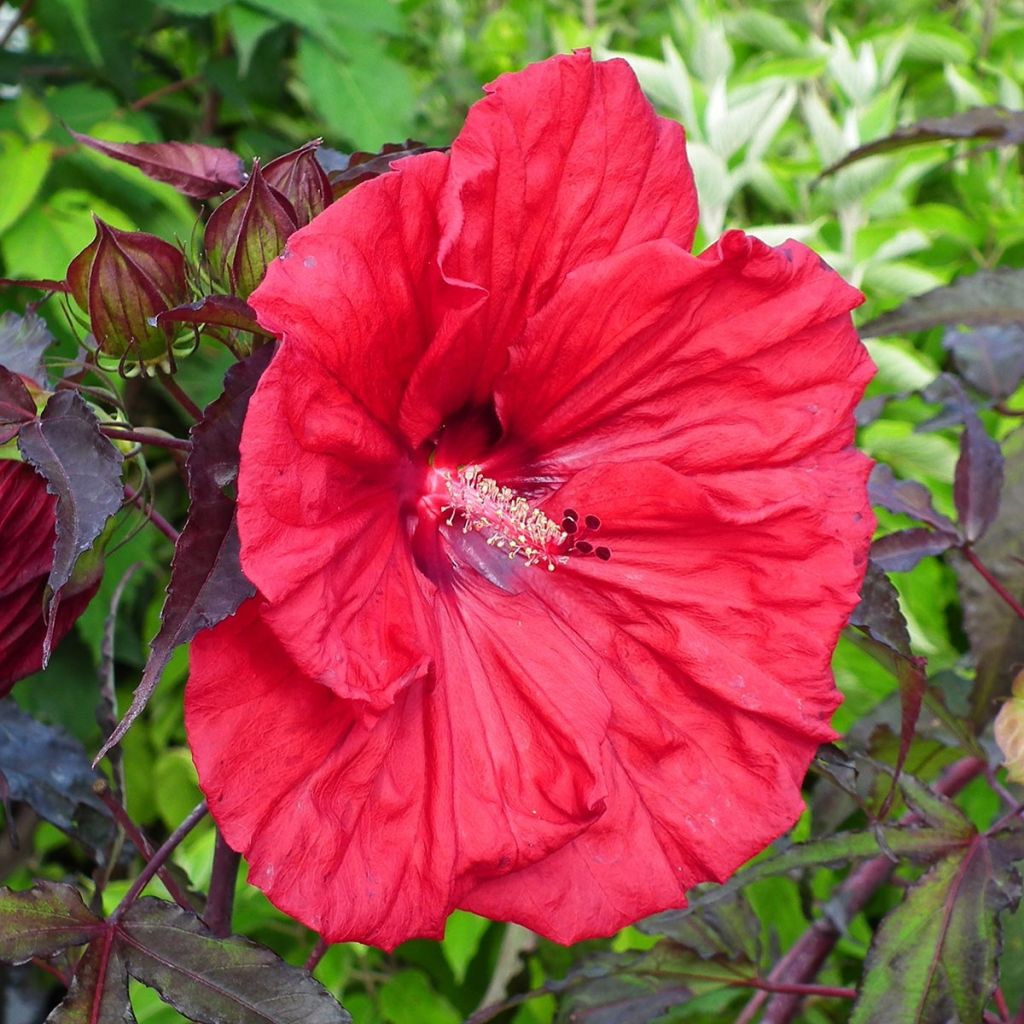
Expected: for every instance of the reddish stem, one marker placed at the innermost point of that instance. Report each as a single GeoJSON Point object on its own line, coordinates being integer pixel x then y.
{"type": "Point", "coordinates": [165, 90]}
{"type": "Point", "coordinates": [221, 898]}
{"type": "Point", "coordinates": [152, 515]}
{"type": "Point", "coordinates": [156, 862]}
{"type": "Point", "coordinates": [45, 965]}
{"type": "Point", "coordinates": [174, 389]}
{"type": "Point", "coordinates": [141, 843]}
{"type": "Point", "coordinates": [1008, 598]}
{"type": "Point", "coordinates": [1001, 1005]}
{"type": "Point", "coordinates": [119, 433]}
{"type": "Point", "coordinates": [18, 18]}
{"type": "Point", "coordinates": [785, 988]}
{"type": "Point", "coordinates": [317, 955]}
{"type": "Point", "coordinates": [802, 963]}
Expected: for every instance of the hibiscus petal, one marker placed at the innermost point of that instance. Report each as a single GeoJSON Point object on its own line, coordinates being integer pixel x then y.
{"type": "Point", "coordinates": [356, 287]}
{"type": "Point", "coordinates": [745, 356]}
{"type": "Point", "coordinates": [562, 164]}
{"type": "Point", "coordinates": [365, 827]}
{"type": "Point", "coordinates": [322, 534]}
{"type": "Point", "coordinates": [715, 618]}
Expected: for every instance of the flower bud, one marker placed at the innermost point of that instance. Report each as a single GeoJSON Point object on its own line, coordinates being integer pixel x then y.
{"type": "Point", "coordinates": [299, 177]}
{"type": "Point", "coordinates": [123, 279]}
{"type": "Point", "coordinates": [246, 232]}
{"type": "Point", "coordinates": [1009, 731]}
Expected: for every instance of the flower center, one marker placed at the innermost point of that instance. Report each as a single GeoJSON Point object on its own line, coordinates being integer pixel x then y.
{"type": "Point", "coordinates": [506, 520]}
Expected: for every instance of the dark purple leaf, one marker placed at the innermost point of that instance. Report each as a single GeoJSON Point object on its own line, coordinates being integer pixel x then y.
{"type": "Point", "coordinates": [246, 232]}
{"type": "Point", "coordinates": [216, 311]}
{"type": "Point", "coordinates": [941, 942]}
{"type": "Point", "coordinates": [23, 340]}
{"type": "Point", "coordinates": [99, 989]}
{"type": "Point", "coordinates": [39, 284]}
{"type": "Point", "coordinates": [901, 551]}
{"type": "Point", "coordinates": [987, 297]}
{"type": "Point", "coordinates": [299, 177]}
{"type": "Point", "coordinates": [83, 469]}
{"type": "Point", "coordinates": [995, 632]}
{"type": "Point", "coordinates": [879, 617]}
{"type": "Point", "coordinates": [16, 404]}
{"type": "Point", "coordinates": [996, 124]}
{"type": "Point", "coordinates": [990, 359]}
{"type": "Point", "coordinates": [218, 981]}
{"type": "Point", "coordinates": [193, 169]}
{"type": "Point", "coordinates": [362, 167]}
{"type": "Point", "coordinates": [49, 770]}
{"type": "Point", "coordinates": [206, 584]}
{"type": "Point", "coordinates": [42, 921]}
{"type": "Point", "coordinates": [726, 925]}
{"type": "Point", "coordinates": [905, 497]}
{"type": "Point", "coordinates": [978, 481]}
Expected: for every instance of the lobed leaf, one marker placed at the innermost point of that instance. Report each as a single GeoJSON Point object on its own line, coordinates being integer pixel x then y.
{"type": "Point", "coordinates": [99, 989]}
{"type": "Point", "coordinates": [218, 981]}
{"type": "Point", "coordinates": [934, 956]}
{"type": "Point", "coordinates": [49, 770]}
{"type": "Point", "coordinates": [206, 584]}
{"type": "Point", "coordinates": [1001, 126]}
{"type": "Point", "coordinates": [987, 297]}
{"type": "Point", "coordinates": [42, 921]}
{"type": "Point", "coordinates": [193, 169]}
{"type": "Point", "coordinates": [83, 469]}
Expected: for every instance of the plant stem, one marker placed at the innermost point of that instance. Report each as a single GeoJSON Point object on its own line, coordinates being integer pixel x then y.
{"type": "Point", "coordinates": [141, 842]}
{"type": "Point", "coordinates": [174, 389]}
{"type": "Point", "coordinates": [157, 861]}
{"type": "Point", "coordinates": [983, 571]}
{"type": "Point", "coordinates": [18, 18]}
{"type": "Point", "coordinates": [1001, 1005]}
{"type": "Point", "coordinates": [165, 90]}
{"type": "Point", "coordinates": [317, 955]}
{"type": "Point", "coordinates": [221, 899]}
{"type": "Point", "coordinates": [785, 988]}
{"type": "Point", "coordinates": [802, 963]}
{"type": "Point", "coordinates": [119, 433]}
{"type": "Point", "coordinates": [152, 515]}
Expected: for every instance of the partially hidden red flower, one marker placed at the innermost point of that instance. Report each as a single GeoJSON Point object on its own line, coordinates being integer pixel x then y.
{"type": "Point", "coordinates": [553, 524]}
{"type": "Point", "coordinates": [28, 529]}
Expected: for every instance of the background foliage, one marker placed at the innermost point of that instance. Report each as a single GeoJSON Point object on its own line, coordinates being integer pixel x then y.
{"type": "Point", "coordinates": [771, 94]}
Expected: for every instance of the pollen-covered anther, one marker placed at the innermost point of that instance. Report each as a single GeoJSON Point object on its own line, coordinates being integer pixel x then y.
{"type": "Point", "coordinates": [504, 518]}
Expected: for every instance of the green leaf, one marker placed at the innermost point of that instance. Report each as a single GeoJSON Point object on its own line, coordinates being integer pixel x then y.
{"type": "Point", "coordinates": [23, 168]}
{"type": "Point", "coordinates": [193, 8]}
{"type": "Point", "coordinates": [42, 921]}
{"type": "Point", "coordinates": [462, 935]}
{"type": "Point", "coordinates": [248, 27]}
{"type": "Point", "coordinates": [367, 98]}
{"type": "Point", "coordinates": [408, 998]}
{"type": "Point", "coordinates": [335, 25]}
{"type": "Point", "coordinates": [218, 981]}
{"type": "Point", "coordinates": [933, 957]}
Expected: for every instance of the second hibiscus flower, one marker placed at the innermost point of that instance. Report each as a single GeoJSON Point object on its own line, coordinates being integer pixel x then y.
{"type": "Point", "coordinates": [553, 524]}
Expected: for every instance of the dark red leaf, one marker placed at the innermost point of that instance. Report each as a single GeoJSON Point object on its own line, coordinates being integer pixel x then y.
{"type": "Point", "coordinates": [978, 481]}
{"type": "Point", "coordinates": [206, 584]}
{"type": "Point", "coordinates": [1001, 126]}
{"type": "Point", "coordinates": [990, 359]}
{"type": "Point", "coordinates": [246, 232]}
{"type": "Point", "coordinates": [879, 617]}
{"type": "Point", "coordinates": [216, 311]}
{"type": "Point", "coordinates": [299, 177]}
{"type": "Point", "coordinates": [218, 981]}
{"type": "Point", "coordinates": [361, 167]}
{"type": "Point", "coordinates": [988, 297]}
{"type": "Point", "coordinates": [83, 469]}
{"type": "Point", "coordinates": [41, 284]}
{"type": "Point", "coordinates": [901, 551]}
{"type": "Point", "coordinates": [16, 404]}
{"type": "Point", "coordinates": [23, 340]}
{"type": "Point", "coordinates": [193, 169]}
{"type": "Point", "coordinates": [906, 497]}
{"type": "Point", "coordinates": [42, 921]}
{"type": "Point", "coordinates": [99, 989]}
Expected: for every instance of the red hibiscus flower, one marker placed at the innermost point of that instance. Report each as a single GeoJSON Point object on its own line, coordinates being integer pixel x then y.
{"type": "Point", "coordinates": [553, 524]}
{"type": "Point", "coordinates": [28, 529]}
